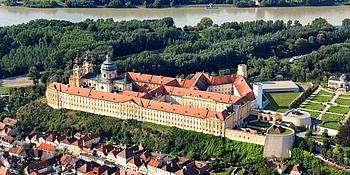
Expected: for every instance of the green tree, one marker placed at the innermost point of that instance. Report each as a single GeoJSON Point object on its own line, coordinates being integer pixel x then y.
{"type": "Point", "coordinates": [34, 75]}
{"type": "Point", "coordinates": [205, 22]}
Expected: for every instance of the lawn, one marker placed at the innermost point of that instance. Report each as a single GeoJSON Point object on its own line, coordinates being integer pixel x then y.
{"type": "Point", "coordinates": [343, 101]}
{"type": "Point", "coordinates": [339, 109]}
{"type": "Point", "coordinates": [280, 101]}
{"type": "Point", "coordinates": [331, 125]}
{"type": "Point", "coordinates": [314, 106]}
{"type": "Point", "coordinates": [321, 98]}
{"type": "Point", "coordinates": [284, 131]}
{"type": "Point", "coordinates": [250, 118]}
{"type": "Point", "coordinates": [332, 117]}
{"type": "Point", "coordinates": [325, 93]}
{"type": "Point", "coordinates": [260, 124]}
{"type": "Point", "coordinates": [4, 90]}
{"type": "Point", "coordinates": [345, 95]}
{"type": "Point", "coordinates": [313, 114]}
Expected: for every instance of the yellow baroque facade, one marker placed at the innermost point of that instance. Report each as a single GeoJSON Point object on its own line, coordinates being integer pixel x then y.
{"type": "Point", "coordinates": [208, 104]}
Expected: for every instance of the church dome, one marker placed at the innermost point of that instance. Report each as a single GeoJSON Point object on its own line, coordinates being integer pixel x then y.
{"type": "Point", "coordinates": [344, 78]}
{"type": "Point", "coordinates": [108, 65]}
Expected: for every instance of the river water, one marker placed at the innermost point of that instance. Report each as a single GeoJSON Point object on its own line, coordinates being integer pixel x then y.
{"type": "Point", "coordinates": [182, 16]}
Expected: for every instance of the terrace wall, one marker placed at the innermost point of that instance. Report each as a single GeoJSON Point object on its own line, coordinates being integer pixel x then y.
{"type": "Point", "coordinates": [245, 136]}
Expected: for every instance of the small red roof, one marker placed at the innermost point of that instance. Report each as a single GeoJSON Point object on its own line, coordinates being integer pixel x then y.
{"type": "Point", "coordinates": [46, 147]}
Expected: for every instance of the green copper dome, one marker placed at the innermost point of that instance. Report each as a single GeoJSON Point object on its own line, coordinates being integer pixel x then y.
{"type": "Point", "coordinates": [108, 65]}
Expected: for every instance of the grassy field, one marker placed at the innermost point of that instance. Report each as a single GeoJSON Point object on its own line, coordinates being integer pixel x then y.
{"type": "Point", "coordinates": [321, 98]}
{"type": "Point", "coordinates": [4, 90]}
{"type": "Point", "coordinates": [314, 106]}
{"type": "Point", "coordinates": [331, 125]}
{"type": "Point", "coordinates": [325, 93]}
{"type": "Point", "coordinates": [339, 109]}
{"type": "Point", "coordinates": [280, 101]}
{"type": "Point", "coordinates": [343, 101]}
{"type": "Point", "coordinates": [332, 117]}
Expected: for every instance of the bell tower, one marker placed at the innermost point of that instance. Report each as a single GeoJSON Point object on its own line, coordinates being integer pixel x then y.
{"type": "Point", "coordinates": [87, 65]}
{"type": "Point", "coordinates": [75, 79]}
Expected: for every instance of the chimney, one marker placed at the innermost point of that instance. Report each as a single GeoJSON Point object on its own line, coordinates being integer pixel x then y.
{"type": "Point", "coordinates": [83, 142]}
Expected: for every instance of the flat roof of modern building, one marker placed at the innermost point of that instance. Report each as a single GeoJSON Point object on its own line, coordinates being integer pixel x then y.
{"type": "Point", "coordinates": [280, 86]}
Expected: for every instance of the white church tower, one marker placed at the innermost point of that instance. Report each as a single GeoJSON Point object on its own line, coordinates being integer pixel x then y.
{"type": "Point", "coordinates": [258, 93]}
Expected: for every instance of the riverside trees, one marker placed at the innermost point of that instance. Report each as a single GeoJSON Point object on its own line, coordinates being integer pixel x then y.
{"type": "Point", "coordinates": [158, 47]}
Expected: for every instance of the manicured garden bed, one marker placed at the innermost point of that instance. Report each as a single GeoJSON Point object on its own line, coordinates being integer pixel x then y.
{"type": "Point", "coordinates": [339, 109]}
{"type": "Point", "coordinates": [345, 95]}
{"type": "Point", "coordinates": [314, 114]}
{"type": "Point", "coordinates": [332, 117]}
{"type": "Point", "coordinates": [321, 98]}
{"type": "Point", "coordinates": [325, 93]}
{"type": "Point", "coordinates": [331, 125]}
{"type": "Point", "coordinates": [314, 106]}
{"type": "Point", "coordinates": [343, 101]}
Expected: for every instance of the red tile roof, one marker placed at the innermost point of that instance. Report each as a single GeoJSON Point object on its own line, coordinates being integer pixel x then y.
{"type": "Point", "coordinates": [155, 162]}
{"type": "Point", "coordinates": [217, 97]}
{"type": "Point", "coordinates": [18, 150]}
{"type": "Point", "coordinates": [4, 171]}
{"type": "Point", "coordinates": [153, 79]}
{"type": "Point", "coordinates": [152, 104]}
{"type": "Point", "coordinates": [46, 147]}
{"type": "Point", "coordinates": [65, 160]}
{"type": "Point", "coordinates": [8, 139]}
{"type": "Point", "coordinates": [2, 125]}
{"type": "Point", "coordinates": [9, 121]}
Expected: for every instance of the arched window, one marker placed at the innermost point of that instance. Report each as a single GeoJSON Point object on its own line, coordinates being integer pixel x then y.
{"type": "Point", "coordinates": [102, 87]}
{"type": "Point", "coordinates": [104, 75]}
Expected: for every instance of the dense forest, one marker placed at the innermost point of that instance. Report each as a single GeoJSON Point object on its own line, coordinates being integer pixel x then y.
{"type": "Point", "coordinates": [167, 3]}
{"type": "Point", "coordinates": [158, 47]}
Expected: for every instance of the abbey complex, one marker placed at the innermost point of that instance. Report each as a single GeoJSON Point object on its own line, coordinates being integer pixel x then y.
{"type": "Point", "coordinates": [210, 104]}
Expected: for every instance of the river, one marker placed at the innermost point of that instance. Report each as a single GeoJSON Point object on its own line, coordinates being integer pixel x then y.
{"type": "Point", "coordinates": [182, 16]}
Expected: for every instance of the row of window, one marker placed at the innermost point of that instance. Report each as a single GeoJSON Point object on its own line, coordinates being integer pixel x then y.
{"type": "Point", "coordinates": [157, 116]}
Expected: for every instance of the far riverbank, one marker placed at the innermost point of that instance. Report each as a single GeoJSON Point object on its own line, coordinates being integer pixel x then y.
{"type": "Point", "coordinates": [186, 15]}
